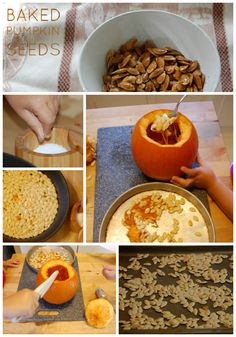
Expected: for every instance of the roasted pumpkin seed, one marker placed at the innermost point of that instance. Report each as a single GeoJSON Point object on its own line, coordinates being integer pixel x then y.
{"type": "Point", "coordinates": [146, 67]}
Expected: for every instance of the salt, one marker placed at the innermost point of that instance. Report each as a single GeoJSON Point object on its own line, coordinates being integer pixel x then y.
{"type": "Point", "coordinates": [50, 149]}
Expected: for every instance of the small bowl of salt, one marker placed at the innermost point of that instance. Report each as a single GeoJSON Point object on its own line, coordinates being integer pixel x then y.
{"type": "Point", "coordinates": [63, 149]}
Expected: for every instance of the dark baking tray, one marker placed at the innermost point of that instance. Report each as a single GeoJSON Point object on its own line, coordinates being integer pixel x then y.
{"type": "Point", "coordinates": [61, 187]}
{"type": "Point", "coordinates": [116, 172]}
{"type": "Point", "coordinates": [125, 252]}
{"type": "Point", "coordinates": [9, 160]}
{"type": "Point", "coordinates": [72, 310]}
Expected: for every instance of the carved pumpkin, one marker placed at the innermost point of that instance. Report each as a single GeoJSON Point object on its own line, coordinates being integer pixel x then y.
{"type": "Point", "coordinates": [64, 287]}
{"type": "Point", "coordinates": [162, 161]}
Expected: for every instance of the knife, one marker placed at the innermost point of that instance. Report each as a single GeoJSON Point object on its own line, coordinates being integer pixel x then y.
{"type": "Point", "coordinates": [43, 287]}
{"type": "Point", "coordinates": [41, 291]}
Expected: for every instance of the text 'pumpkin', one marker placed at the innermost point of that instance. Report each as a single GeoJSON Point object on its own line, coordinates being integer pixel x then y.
{"type": "Point", "coordinates": [162, 161]}
{"type": "Point", "coordinates": [66, 284]}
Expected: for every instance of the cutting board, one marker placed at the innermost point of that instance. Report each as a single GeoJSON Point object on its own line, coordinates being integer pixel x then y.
{"type": "Point", "coordinates": [73, 310]}
{"type": "Point", "coordinates": [116, 172]}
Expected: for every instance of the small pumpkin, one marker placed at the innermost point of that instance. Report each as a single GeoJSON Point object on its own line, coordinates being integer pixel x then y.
{"type": "Point", "coordinates": [66, 284]}
{"type": "Point", "coordinates": [162, 161]}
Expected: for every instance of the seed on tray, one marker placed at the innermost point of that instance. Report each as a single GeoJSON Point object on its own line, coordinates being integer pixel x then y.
{"type": "Point", "coordinates": [153, 303]}
{"type": "Point", "coordinates": [155, 69]}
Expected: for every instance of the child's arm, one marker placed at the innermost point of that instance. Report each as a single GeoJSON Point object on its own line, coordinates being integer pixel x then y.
{"type": "Point", "coordinates": [223, 197]}
{"type": "Point", "coordinates": [22, 304]}
{"type": "Point", "coordinates": [204, 177]}
{"type": "Point", "coordinates": [11, 263]}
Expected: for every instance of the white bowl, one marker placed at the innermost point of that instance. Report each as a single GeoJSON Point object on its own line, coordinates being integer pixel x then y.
{"type": "Point", "coordinates": [165, 29]}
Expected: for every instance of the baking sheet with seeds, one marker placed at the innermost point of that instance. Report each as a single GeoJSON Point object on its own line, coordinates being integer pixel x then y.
{"type": "Point", "coordinates": [127, 252]}
{"type": "Point", "coordinates": [116, 172]}
{"type": "Point", "coordinates": [70, 311]}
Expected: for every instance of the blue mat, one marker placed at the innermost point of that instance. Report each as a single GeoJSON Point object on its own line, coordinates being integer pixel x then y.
{"type": "Point", "coordinates": [117, 172]}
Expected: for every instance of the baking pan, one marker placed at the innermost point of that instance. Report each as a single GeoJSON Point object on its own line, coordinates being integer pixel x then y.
{"type": "Point", "coordinates": [126, 252]}
{"type": "Point", "coordinates": [70, 251]}
{"type": "Point", "coordinates": [60, 184]}
{"type": "Point", "coordinates": [9, 160]}
{"type": "Point", "coordinates": [157, 186]}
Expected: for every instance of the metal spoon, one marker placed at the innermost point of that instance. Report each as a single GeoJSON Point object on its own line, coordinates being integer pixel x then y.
{"type": "Point", "coordinates": [159, 119]}
{"type": "Point", "coordinates": [174, 112]}
{"type": "Point", "coordinates": [100, 293]}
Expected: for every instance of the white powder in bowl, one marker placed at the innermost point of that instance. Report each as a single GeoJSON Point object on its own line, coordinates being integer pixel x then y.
{"type": "Point", "coordinates": [50, 149]}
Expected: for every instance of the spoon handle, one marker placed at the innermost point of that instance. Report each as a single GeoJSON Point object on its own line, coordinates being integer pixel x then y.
{"type": "Point", "coordinates": [174, 112]}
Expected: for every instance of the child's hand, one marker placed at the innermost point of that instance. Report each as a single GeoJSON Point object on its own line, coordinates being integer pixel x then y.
{"type": "Point", "coordinates": [201, 177]}
{"type": "Point", "coordinates": [22, 304]}
{"type": "Point", "coordinates": [38, 111]}
{"type": "Point", "coordinates": [109, 272]}
{"type": "Point", "coordinates": [11, 263]}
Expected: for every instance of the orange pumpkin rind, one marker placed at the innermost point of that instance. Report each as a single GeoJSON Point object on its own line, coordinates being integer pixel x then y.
{"type": "Point", "coordinates": [60, 291]}
{"type": "Point", "coordinates": [158, 161]}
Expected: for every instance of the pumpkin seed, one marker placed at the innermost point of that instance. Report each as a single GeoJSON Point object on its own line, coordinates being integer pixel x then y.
{"type": "Point", "coordinates": [156, 73]}
{"type": "Point", "coordinates": [160, 62]}
{"type": "Point", "coordinates": [193, 66]}
{"type": "Point", "coordinates": [125, 61]}
{"type": "Point", "coordinates": [198, 81]}
{"type": "Point", "coordinates": [145, 77]}
{"type": "Point", "coordinates": [157, 51]}
{"type": "Point", "coordinates": [130, 79]}
{"type": "Point", "coordinates": [184, 79]}
{"type": "Point", "coordinates": [161, 78]}
{"type": "Point", "coordinates": [133, 71]}
{"type": "Point", "coordinates": [152, 66]}
{"type": "Point", "coordinates": [165, 84]}
{"type": "Point", "coordinates": [140, 67]}
{"type": "Point", "coordinates": [146, 59]}
{"type": "Point", "coordinates": [139, 79]}
{"type": "Point", "coordinates": [127, 86]}
{"type": "Point", "coordinates": [148, 68]}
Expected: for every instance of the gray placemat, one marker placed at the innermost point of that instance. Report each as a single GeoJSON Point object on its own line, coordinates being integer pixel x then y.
{"type": "Point", "coordinates": [73, 310]}
{"type": "Point", "coordinates": [117, 172]}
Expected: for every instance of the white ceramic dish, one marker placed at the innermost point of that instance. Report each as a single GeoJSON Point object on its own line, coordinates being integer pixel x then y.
{"type": "Point", "coordinates": [164, 28]}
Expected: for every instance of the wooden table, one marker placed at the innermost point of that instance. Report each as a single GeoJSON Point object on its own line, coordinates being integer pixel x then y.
{"type": "Point", "coordinates": [90, 266]}
{"type": "Point", "coordinates": [211, 149]}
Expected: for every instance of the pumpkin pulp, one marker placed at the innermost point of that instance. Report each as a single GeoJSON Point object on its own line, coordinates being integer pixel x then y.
{"type": "Point", "coordinates": [138, 210]}
{"type": "Point", "coordinates": [63, 273]}
{"type": "Point", "coordinates": [169, 136]}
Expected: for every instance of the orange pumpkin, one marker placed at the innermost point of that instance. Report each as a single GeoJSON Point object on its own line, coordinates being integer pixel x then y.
{"type": "Point", "coordinates": [160, 161]}
{"type": "Point", "coordinates": [66, 284]}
